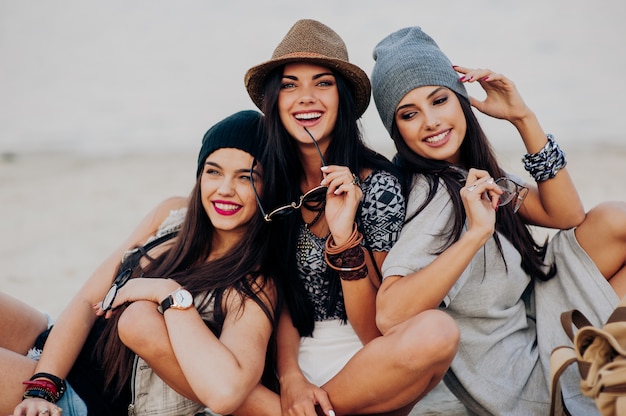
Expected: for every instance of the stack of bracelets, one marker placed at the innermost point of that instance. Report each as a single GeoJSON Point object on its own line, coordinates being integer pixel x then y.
{"type": "Point", "coordinates": [348, 259]}
{"type": "Point", "coordinates": [44, 386]}
{"type": "Point", "coordinates": [544, 164]}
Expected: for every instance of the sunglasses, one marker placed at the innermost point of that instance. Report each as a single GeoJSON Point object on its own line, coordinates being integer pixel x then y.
{"type": "Point", "coordinates": [314, 199]}
{"type": "Point", "coordinates": [511, 190]}
{"type": "Point", "coordinates": [120, 280]}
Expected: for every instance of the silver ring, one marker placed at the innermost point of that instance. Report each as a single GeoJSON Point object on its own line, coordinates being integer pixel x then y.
{"type": "Point", "coordinates": [355, 180]}
{"type": "Point", "coordinates": [44, 411]}
{"type": "Point", "coordinates": [471, 188]}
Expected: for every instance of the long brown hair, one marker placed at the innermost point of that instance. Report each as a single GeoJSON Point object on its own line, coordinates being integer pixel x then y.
{"type": "Point", "coordinates": [244, 269]}
{"type": "Point", "coordinates": [476, 152]}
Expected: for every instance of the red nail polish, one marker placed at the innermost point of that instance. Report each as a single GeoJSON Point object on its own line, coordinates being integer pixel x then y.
{"type": "Point", "coordinates": [484, 78]}
{"type": "Point", "coordinates": [462, 79]}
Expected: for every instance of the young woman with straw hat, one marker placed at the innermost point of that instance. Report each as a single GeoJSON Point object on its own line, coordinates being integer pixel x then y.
{"type": "Point", "coordinates": [336, 208]}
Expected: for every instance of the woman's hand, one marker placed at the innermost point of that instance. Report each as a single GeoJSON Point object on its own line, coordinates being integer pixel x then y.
{"type": "Point", "coordinates": [299, 397]}
{"type": "Point", "coordinates": [503, 100]}
{"type": "Point", "coordinates": [143, 288]}
{"type": "Point", "coordinates": [480, 198]}
{"type": "Point", "coordinates": [342, 201]}
{"type": "Point", "coordinates": [35, 406]}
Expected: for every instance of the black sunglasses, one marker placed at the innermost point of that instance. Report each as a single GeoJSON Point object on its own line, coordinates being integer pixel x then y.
{"type": "Point", "coordinates": [120, 280]}
{"type": "Point", "coordinates": [314, 199]}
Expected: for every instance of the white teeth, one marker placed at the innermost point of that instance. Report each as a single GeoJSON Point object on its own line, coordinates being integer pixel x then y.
{"type": "Point", "coordinates": [308, 116]}
{"type": "Point", "coordinates": [437, 138]}
{"type": "Point", "coordinates": [226, 207]}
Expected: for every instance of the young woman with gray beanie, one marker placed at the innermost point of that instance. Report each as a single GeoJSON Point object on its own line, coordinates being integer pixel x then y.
{"type": "Point", "coordinates": [466, 247]}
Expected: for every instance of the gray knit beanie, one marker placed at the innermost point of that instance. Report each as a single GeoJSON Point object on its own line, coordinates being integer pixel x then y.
{"type": "Point", "coordinates": [241, 130]}
{"type": "Point", "coordinates": [405, 60]}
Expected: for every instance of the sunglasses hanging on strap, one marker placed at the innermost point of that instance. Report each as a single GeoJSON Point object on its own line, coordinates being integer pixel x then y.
{"type": "Point", "coordinates": [129, 262]}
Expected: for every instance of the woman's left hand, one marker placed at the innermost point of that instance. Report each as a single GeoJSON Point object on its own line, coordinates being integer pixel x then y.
{"type": "Point", "coordinates": [36, 406]}
{"type": "Point", "coordinates": [141, 288]}
{"type": "Point", "coordinates": [342, 200]}
{"type": "Point", "coordinates": [503, 100]}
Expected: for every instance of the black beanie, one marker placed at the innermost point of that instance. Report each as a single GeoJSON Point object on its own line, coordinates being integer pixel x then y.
{"type": "Point", "coordinates": [241, 130]}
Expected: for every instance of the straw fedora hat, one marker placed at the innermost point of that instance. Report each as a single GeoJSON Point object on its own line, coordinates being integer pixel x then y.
{"type": "Point", "coordinates": [312, 42]}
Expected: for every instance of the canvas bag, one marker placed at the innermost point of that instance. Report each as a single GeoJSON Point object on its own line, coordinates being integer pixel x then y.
{"type": "Point", "coordinates": [601, 357]}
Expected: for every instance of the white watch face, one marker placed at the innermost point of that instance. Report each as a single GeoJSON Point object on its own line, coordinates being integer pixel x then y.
{"type": "Point", "coordinates": [182, 298]}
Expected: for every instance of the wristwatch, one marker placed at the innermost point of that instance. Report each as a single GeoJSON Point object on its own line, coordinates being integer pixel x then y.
{"type": "Point", "coordinates": [178, 299]}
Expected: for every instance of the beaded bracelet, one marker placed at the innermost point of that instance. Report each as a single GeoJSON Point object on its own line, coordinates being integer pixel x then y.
{"type": "Point", "coordinates": [348, 259]}
{"type": "Point", "coordinates": [545, 164]}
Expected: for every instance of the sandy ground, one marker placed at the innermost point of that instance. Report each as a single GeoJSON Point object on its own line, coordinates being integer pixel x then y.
{"type": "Point", "coordinates": [61, 214]}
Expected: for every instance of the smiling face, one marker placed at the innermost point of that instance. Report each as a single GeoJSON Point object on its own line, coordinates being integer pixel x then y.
{"type": "Point", "coordinates": [431, 122]}
{"type": "Point", "coordinates": [308, 98]}
{"type": "Point", "coordinates": [226, 190]}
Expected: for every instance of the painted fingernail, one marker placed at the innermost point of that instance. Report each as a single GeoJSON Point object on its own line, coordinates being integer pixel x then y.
{"type": "Point", "coordinates": [462, 79]}
{"type": "Point", "coordinates": [331, 413]}
{"type": "Point", "coordinates": [323, 168]}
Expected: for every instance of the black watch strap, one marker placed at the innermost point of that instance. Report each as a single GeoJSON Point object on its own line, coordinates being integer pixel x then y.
{"type": "Point", "coordinates": [166, 304]}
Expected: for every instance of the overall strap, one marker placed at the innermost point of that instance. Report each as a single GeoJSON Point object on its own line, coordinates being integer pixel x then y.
{"type": "Point", "coordinates": [131, 258]}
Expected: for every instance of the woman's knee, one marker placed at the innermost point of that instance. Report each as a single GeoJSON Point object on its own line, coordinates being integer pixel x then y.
{"type": "Point", "coordinates": [604, 227]}
{"type": "Point", "coordinates": [431, 335]}
{"type": "Point", "coordinates": [609, 216]}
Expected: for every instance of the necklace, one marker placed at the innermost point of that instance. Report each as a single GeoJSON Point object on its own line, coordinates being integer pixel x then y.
{"type": "Point", "coordinates": [308, 225]}
{"type": "Point", "coordinates": [306, 239]}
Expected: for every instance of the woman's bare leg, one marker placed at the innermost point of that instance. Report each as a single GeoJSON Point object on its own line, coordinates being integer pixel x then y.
{"type": "Point", "coordinates": [20, 324]}
{"type": "Point", "coordinates": [261, 402]}
{"type": "Point", "coordinates": [394, 371]}
{"type": "Point", "coordinates": [603, 236]}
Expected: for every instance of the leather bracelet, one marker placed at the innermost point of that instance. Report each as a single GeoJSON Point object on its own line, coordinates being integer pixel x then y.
{"type": "Point", "coordinates": [39, 393]}
{"type": "Point", "coordinates": [350, 263]}
{"type": "Point", "coordinates": [354, 240]}
{"type": "Point", "coordinates": [58, 383]}
{"type": "Point", "coordinates": [348, 259]}
{"type": "Point", "coordinates": [42, 384]}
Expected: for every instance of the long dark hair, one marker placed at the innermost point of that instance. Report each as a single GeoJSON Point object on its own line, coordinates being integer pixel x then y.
{"type": "Point", "coordinates": [244, 269]}
{"type": "Point", "coordinates": [476, 152]}
{"type": "Point", "coordinates": [283, 169]}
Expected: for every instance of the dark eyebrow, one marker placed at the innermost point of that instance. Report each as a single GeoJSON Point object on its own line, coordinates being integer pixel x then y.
{"type": "Point", "coordinates": [316, 76]}
{"type": "Point", "coordinates": [323, 74]}
{"type": "Point", "coordinates": [433, 92]}
{"type": "Point", "coordinates": [242, 170]}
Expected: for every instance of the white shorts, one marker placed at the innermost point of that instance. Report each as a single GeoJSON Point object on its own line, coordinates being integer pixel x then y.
{"type": "Point", "coordinates": [325, 353]}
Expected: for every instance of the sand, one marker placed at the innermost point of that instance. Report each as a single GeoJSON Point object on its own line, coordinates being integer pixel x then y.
{"type": "Point", "coordinates": [61, 214]}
